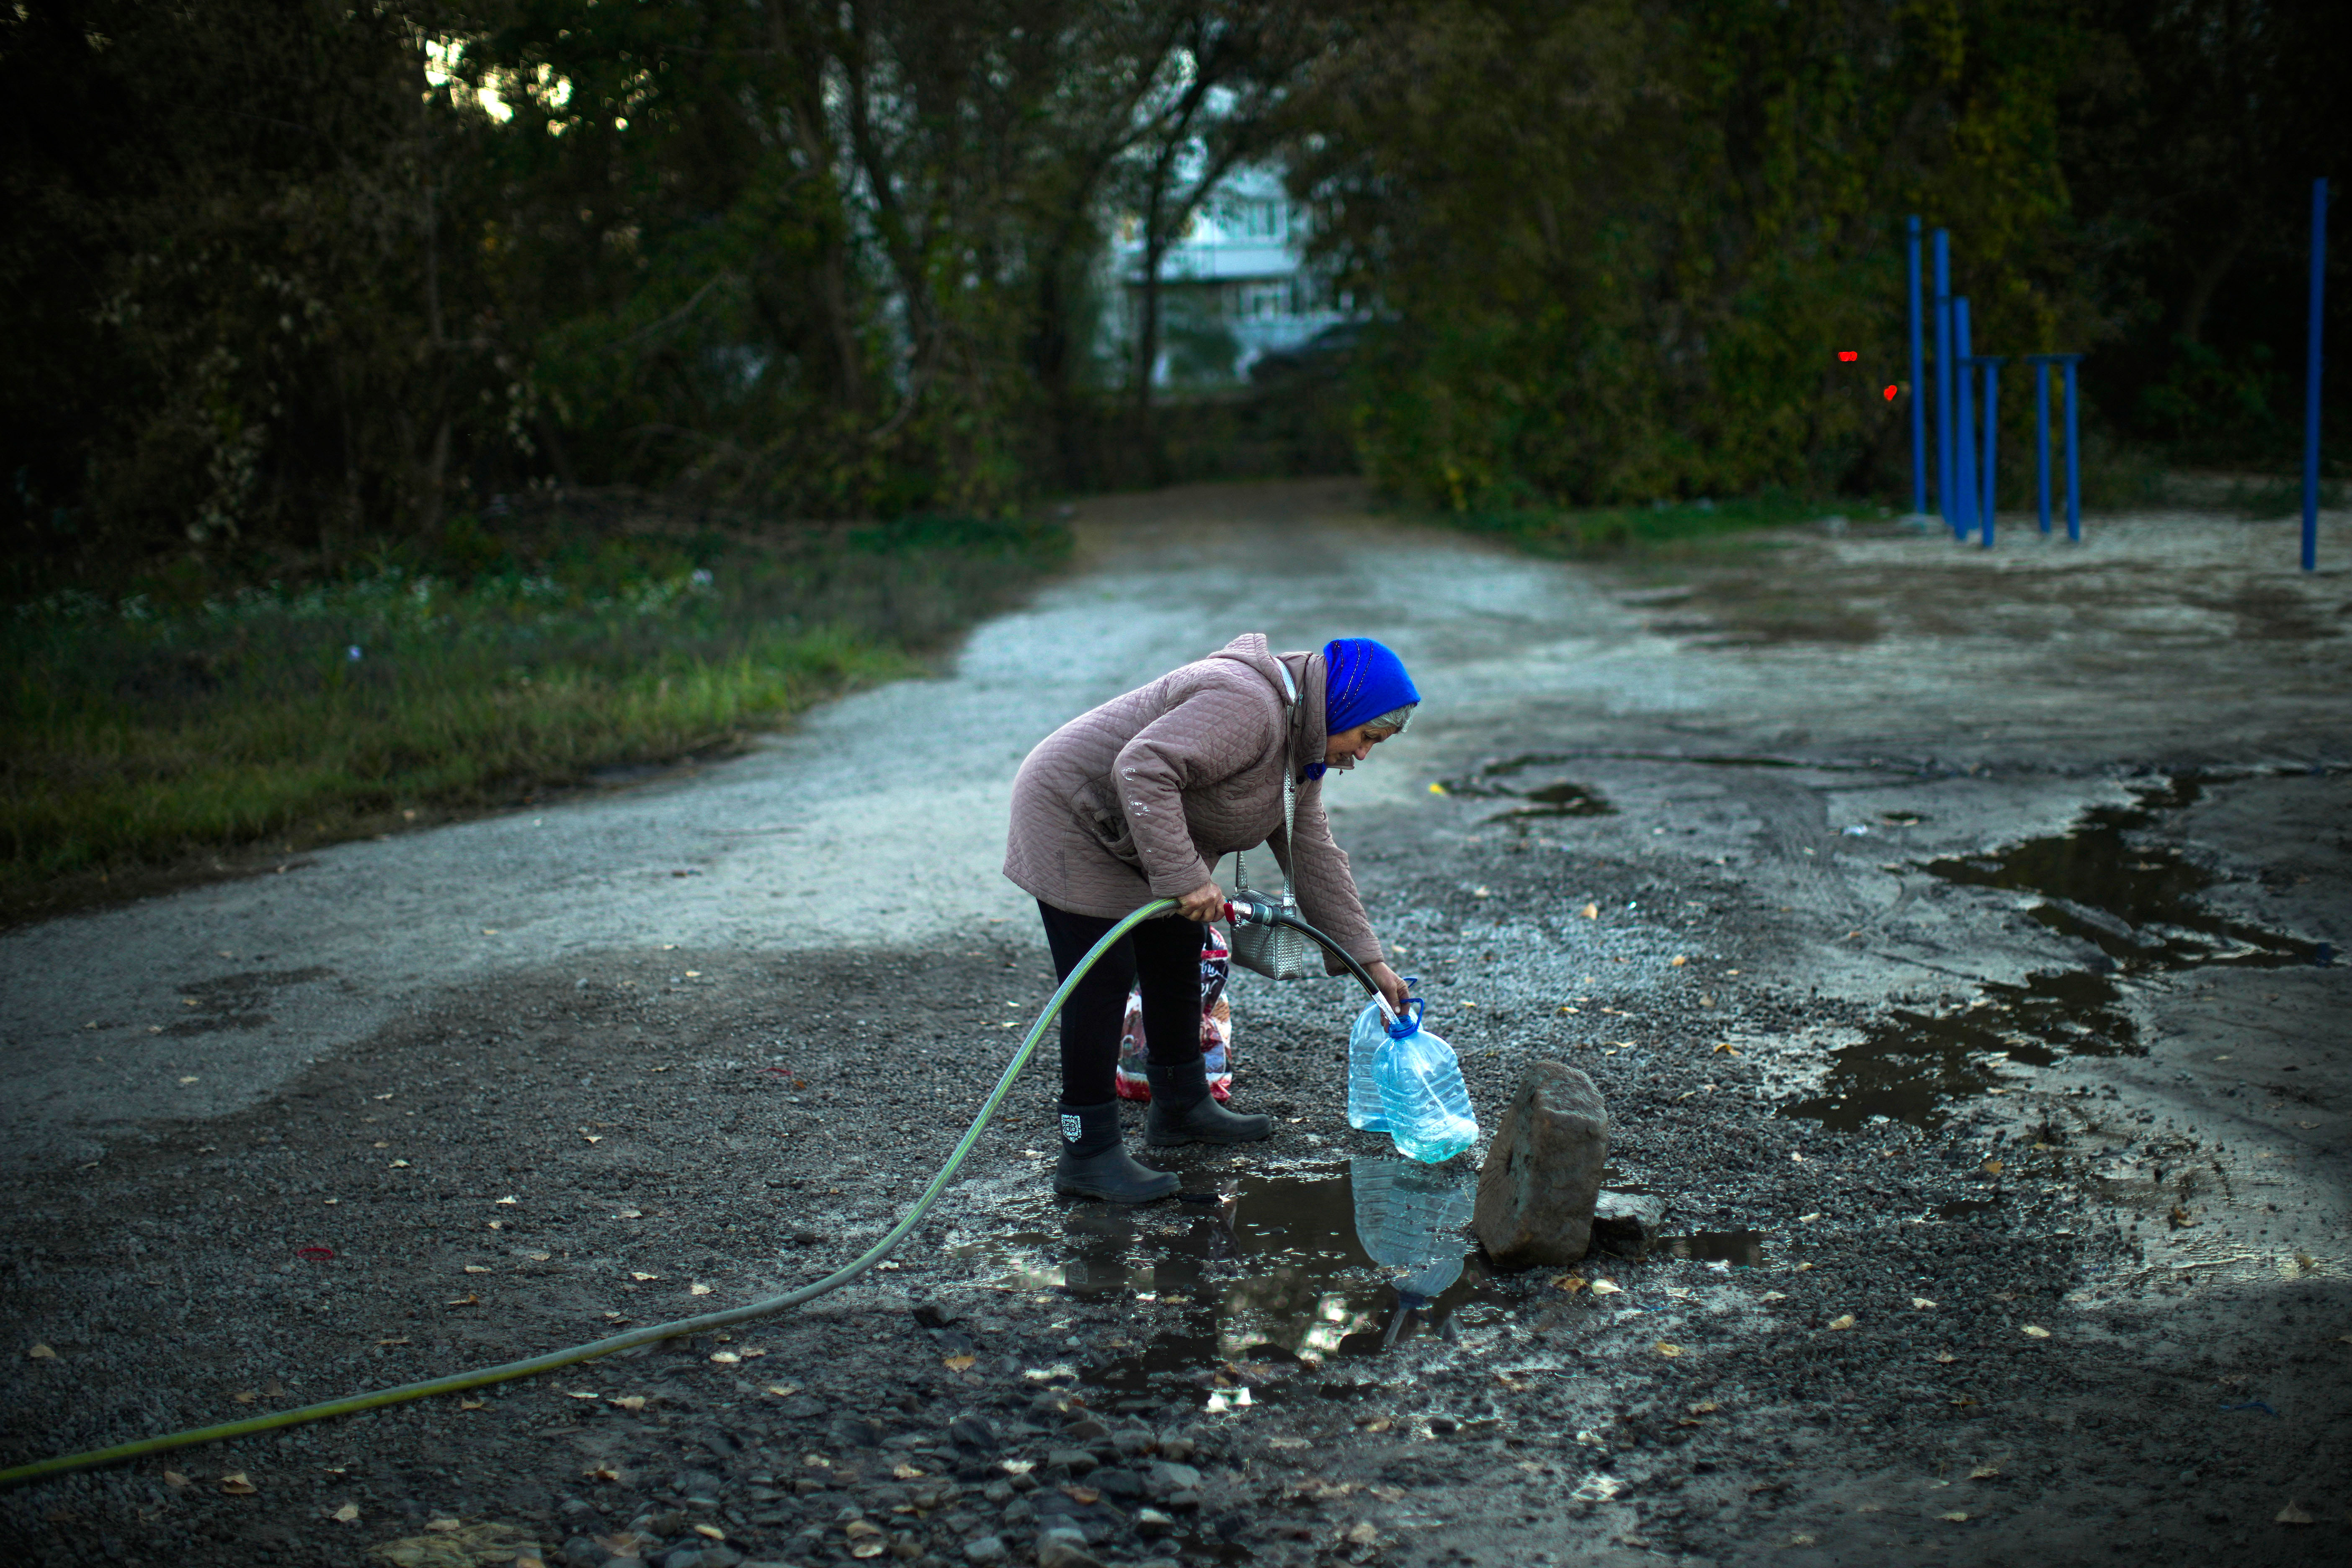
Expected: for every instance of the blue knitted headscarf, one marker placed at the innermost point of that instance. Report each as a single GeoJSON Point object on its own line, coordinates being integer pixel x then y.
{"type": "Point", "coordinates": [1364, 680]}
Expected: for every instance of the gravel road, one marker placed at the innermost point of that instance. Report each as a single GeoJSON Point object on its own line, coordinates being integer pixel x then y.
{"type": "Point", "coordinates": [1953, 936]}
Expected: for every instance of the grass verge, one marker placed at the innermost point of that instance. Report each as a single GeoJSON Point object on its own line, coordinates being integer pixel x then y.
{"type": "Point", "coordinates": [1665, 529]}
{"type": "Point", "coordinates": [171, 729]}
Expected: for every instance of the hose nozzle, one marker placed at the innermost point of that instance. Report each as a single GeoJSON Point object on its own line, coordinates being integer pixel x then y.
{"type": "Point", "coordinates": [1242, 913]}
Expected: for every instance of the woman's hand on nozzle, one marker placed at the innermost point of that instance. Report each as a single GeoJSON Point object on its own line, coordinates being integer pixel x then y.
{"type": "Point", "coordinates": [1203, 904]}
{"type": "Point", "coordinates": [1391, 986]}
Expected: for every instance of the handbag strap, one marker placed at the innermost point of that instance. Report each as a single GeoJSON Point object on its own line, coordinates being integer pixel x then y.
{"type": "Point", "coordinates": [1289, 790]}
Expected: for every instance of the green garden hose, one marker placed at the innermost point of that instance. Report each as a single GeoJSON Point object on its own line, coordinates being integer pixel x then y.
{"type": "Point", "coordinates": [457, 1383]}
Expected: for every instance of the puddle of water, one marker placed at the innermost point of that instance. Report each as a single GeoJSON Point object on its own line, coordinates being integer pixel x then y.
{"type": "Point", "coordinates": [1910, 1066]}
{"type": "Point", "coordinates": [2137, 903]}
{"type": "Point", "coordinates": [1287, 1279]}
{"type": "Point", "coordinates": [1741, 1248]}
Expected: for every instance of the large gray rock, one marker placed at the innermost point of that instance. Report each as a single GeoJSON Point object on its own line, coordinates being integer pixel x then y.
{"type": "Point", "coordinates": [1543, 1170]}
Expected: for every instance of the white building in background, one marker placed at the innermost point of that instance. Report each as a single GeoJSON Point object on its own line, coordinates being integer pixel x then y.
{"type": "Point", "coordinates": [1238, 273]}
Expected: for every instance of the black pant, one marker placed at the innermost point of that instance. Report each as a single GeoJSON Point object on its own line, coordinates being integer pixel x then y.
{"type": "Point", "coordinates": [1164, 954]}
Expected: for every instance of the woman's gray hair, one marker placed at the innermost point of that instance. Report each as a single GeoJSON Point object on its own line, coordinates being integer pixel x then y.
{"type": "Point", "coordinates": [1394, 721]}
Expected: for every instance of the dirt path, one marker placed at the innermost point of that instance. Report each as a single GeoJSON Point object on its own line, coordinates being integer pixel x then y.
{"type": "Point", "coordinates": [1955, 971]}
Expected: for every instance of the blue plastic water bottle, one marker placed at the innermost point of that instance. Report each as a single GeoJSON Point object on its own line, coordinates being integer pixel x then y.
{"type": "Point", "coordinates": [1421, 1092]}
{"type": "Point", "coordinates": [1364, 1043]}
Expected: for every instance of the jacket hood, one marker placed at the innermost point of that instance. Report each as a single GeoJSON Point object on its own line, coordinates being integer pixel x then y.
{"type": "Point", "coordinates": [1306, 670]}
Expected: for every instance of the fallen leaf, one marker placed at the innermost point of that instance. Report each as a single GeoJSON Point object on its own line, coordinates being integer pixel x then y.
{"type": "Point", "coordinates": [538, 1256]}
{"type": "Point", "coordinates": [582, 1394]}
{"type": "Point", "coordinates": [1957, 1516]}
{"type": "Point", "coordinates": [1726, 1048]}
{"type": "Point", "coordinates": [1921, 1302]}
{"type": "Point", "coordinates": [628, 1401]}
{"type": "Point", "coordinates": [175, 1480]}
{"type": "Point", "coordinates": [1604, 1288]}
{"type": "Point", "coordinates": [1377, 1424]}
{"type": "Point", "coordinates": [1842, 1322]}
{"type": "Point", "coordinates": [1676, 961]}
{"type": "Point", "coordinates": [1705, 1408]}
{"type": "Point", "coordinates": [467, 1300]}
{"type": "Point", "coordinates": [782, 1390]}
{"type": "Point", "coordinates": [345, 1514]}
{"type": "Point", "coordinates": [1945, 1358]}
{"type": "Point", "coordinates": [1984, 1472]}
{"type": "Point", "coordinates": [402, 1340]}
{"type": "Point", "coordinates": [1591, 911]}
{"type": "Point", "coordinates": [906, 1472]}
{"type": "Point", "coordinates": [638, 1274]}
{"type": "Point", "coordinates": [476, 1269]}
{"type": "Point", "coordinates": [1669, 1351]}
{"type": "Point", "coordinates": [442, 1526]}
{"type": "Point", "coordinates": [247, 1398]}
{"type": "Point", "coordinates": [630, 1213]}
{"type": "Point", "coordinates": [709, 1532]}
{"type": "Point", "coordinates": [1387, 1494]}
{"type": "Point", "coordinates": [469, 1405]}
{"type": "Point", "coordinates": [819, 1460]}
{"type": "Point", "coordinates": [1085, 1496]}
{"type": "Point", "coordinates": [697, 1289]}
{"type": "Point", "coordinates": [592, 1137]}
{"type": "Point", "coordinates": [41, 1352]}
{"type": "Point", "coordinates": [2181, 1217]}
{"type": "Point", "coordinates": [238, 1485]}
{"type": "Point", "coordinates": [506, 1202]}
{"type": "Point", "coordinates": [959, 1363]}
{"type": "Point", "coordinates": [1361, 1533]}
{"type": "Point", "coordinates": [2036, 1331]}
{"type": "Point", "coordinates": [867, 1548]}
{"type": "Point", "coordinates": [858, 1529]}
{"type": "Point", "coordinates": [1801, 1541]}
{"type": "Point", "coordinates": [726, 1358]}
{"type": "Point", "coordinates": [602, 1473]}
{"type": "Point", "coordinates": [1992, 1167]}
{"type": "Point", "coordinates": [2291, 1513]}
{"type": "Point", "coordinates": [400, 1164]}
{"type": "Point", "coordinates": [1571, 1283]}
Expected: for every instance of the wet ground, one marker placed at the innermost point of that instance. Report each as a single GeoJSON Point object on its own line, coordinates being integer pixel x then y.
{"type": "Point", "coordinates": [1965, 983]}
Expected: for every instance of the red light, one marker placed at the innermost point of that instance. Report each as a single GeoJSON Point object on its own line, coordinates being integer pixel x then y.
{"type": "Point", "coordinates": [1848, 355]}
{"type": "Point", "coordinates": [1890, 395]}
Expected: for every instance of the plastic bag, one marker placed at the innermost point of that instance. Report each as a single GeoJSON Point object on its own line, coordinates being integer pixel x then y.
{"type": "Point", "coordinates": [1216, 1026]}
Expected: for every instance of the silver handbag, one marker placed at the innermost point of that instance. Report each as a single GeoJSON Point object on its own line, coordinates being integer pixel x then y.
{"type": "Point", "coordinates": [1278, 952]}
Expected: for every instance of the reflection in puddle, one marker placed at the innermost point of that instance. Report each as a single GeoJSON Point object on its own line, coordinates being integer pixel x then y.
{"type": "Point", "coordinates": [2137, 903]}
{"type": "Point", "coordinates": [1288, 1273]}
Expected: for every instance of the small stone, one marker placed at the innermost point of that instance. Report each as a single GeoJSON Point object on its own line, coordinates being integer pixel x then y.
{"type": "Point", "coordinates": [1077, 1461]}
{"type": "Point", "coordinates": [1018, 1514]}
{"type": "Point", "coordinates": [1086, 1429]}
{"type": "Point", "coordinates": [1627, 1223]}
{"type": "Point", "coordinates": [1114, 1482]}
{"type": "Point", "coordinates": [998, 1491]}
{"type": "Point", "coordinates": [937, 1315]}
{"type": "Point", "coordinates": [1064, 1549]}
{"type": "Point", "coordinates": [972, 1432]}
{"type": "Point", "coordinates": [1176, 1446]}
{"type": "Point", "coordinates": [1152, 1521]}
{"type": "Point", "coordinates": [984, 1550]}
{"type": "Point", "coordinates": [1165, 1479]}
{"type": "Point", "coordinates": [1133, 1442]}
{"type": "Point", "coordinates": [1542, 1176]}
{"type": "Point", "coordinates": [579, 1551]}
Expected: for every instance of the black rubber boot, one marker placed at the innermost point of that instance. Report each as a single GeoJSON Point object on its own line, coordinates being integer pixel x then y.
{"type": "Point", "coordinates": [1184, 1111]}
{"type": "Point", "coordinates": [1095, 1165]}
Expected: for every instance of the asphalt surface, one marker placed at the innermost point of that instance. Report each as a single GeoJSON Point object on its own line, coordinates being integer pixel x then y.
{"type": "Point", "coordinates": [1939, 927]}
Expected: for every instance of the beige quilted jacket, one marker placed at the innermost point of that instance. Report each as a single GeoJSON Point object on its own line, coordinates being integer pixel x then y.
{"type": "Point", "coordinates": [1140, 798]}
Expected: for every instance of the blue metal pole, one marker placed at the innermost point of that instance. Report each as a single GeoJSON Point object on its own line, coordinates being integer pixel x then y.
{"type": "Point", "coordinates": [1945, 498]}
{"type": "Point", "coordinates": [2073, 466]}
{"type": "Point", "coordinates": [2311, 377]}
{"type": "Point", "coordinates": [1918, 409]}
{"type": "Point", "coordinates": [2042, 431]}
{"type": "Point", "coordinates": [1964, 427]}
{"type": "Point", "coordinates": [1991, 483]}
